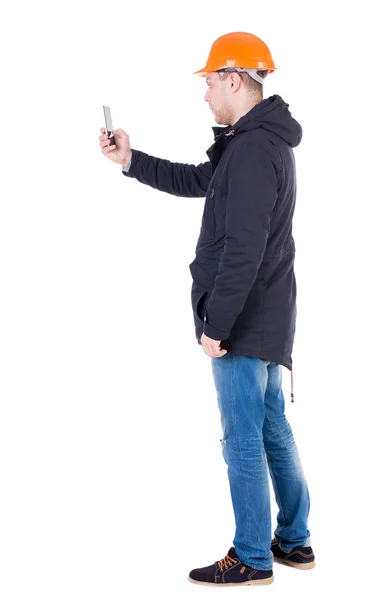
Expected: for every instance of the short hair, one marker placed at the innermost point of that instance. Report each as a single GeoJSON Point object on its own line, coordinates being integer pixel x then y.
{"type": "Point", "coordinates": [249, 82]}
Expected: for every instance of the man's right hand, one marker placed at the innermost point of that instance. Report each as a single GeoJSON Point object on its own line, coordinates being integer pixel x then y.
{"type": "Point", "coordinates": [120, 152]}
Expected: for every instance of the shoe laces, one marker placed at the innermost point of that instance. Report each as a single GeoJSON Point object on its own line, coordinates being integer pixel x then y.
{"type": "Point", "coordinates": [226, 562]}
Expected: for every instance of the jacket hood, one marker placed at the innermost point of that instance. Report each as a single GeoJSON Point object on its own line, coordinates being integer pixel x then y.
{"type": "Point", "coordinates": [272, 114]}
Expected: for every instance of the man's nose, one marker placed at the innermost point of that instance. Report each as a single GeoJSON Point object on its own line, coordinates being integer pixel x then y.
{"type": "Point", "coordinates": [205, 97]}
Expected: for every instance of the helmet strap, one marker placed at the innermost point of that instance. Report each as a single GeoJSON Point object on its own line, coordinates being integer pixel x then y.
{"type": "Point", "coordinates": [252, 72]}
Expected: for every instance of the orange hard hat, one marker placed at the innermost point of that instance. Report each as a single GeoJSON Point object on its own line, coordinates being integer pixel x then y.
{"type": "Point", "coordinates": [238, 50]}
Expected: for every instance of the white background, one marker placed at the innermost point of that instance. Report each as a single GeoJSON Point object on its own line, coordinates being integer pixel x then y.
{"type": "Point", "coordinates": [112, 480]}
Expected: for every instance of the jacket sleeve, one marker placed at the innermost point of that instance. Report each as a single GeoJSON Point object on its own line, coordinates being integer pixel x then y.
{"type": "Point", "coordinates": [252, 194]}
{"type": "Point", "coordinates": [179, 179]}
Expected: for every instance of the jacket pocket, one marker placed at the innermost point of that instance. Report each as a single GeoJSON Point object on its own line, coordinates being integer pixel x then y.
{"type": "Point", "coordinates": [201, 306]}
{"type": "Point", "coordinates": [199, 302]}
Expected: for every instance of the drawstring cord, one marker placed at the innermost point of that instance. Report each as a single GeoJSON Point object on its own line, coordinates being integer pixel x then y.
{"type": "Point", "coordinates": [292, 385]}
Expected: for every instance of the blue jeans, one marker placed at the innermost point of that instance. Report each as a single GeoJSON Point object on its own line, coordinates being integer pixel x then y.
{"type": "Point", "coordinates": [256, 438]}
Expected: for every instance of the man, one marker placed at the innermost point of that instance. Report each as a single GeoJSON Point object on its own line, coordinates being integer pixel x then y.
{"type": "Point", "coordinates": [244, 299]}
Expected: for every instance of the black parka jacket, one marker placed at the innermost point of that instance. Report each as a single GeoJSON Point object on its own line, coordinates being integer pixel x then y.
{"type": "Point", "coordinates": [244, 286]}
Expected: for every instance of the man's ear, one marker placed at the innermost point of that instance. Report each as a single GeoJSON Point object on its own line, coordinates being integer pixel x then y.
{"type": "Point", "coordinates": [233, 78]}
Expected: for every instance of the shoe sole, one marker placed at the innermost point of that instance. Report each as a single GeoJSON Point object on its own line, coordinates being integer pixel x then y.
{"type": "Point", "coordinates": [267, 581]}
{"type": "Point", "coordinates": [302, 566]}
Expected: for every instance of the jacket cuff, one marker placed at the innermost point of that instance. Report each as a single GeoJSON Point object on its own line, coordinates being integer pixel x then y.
{"type": "Point", "coordinates": [213, 333]}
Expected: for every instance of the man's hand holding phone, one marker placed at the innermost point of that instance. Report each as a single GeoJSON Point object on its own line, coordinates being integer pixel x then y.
{"type": "Point", "coordinates": [120, 152]}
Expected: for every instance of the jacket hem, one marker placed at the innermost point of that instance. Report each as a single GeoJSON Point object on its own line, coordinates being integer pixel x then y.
{"type": "Point", "coordinates": [262, 355]}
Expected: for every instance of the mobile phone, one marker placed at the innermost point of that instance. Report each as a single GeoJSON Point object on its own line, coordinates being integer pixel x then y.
{"type": "Point", "coordinates": [109, 125]}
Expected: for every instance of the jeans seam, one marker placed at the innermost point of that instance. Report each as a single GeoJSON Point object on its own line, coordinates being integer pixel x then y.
{"type": "Point", "coordinates": [235, 433]}
{"type": "Point", "coordinates": [246, 505]}
{"type": "Point", "coordinates": [236, 437]}
{"type": "Point", "coordinates": [277, 490]}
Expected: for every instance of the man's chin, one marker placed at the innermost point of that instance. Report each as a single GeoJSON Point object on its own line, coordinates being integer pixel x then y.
{"type": "Point", "coordinates": [218, 120]}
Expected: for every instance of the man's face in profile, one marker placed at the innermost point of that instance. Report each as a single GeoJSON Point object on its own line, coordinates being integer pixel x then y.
{"type": "Point", "coordinates": [218, 97]}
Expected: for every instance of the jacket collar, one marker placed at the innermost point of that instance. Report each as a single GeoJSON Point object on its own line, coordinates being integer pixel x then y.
{"type": "Point", "coordinates": [243, 123]}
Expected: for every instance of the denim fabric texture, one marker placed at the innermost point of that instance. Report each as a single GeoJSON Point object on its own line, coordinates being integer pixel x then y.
{"type": "Point", "coordinates": [258, 444]}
